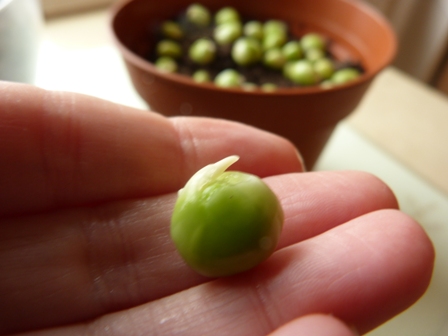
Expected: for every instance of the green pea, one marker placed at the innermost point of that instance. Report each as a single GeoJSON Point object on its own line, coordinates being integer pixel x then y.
{"type": "Point", "coordinates": [324, 68]}
{"type": "Point", "coordinates": [300, 72]}
{"type": "Point", "coordinates": [292, 50]}
{"type": "Point", "coordinates": [274, 58]}
{"type": "Point", "coordinates": [312, 41]}
{"type": "Point", "coordinates": [274, 39]}
{"type": "Point", "coordinates": [253, 29]}
{"type": "Point", "coordinates": [202, 51]}
{"type": "Point", "coordinates": [166, 64]}
{"type": "Point", "coordinates": [201, 76]}
{"type": "Point", "coordinates": [228, 32]}
{"type": "Point", "coordinates": [198, 15]}
{"type": "Point", "coordinates": [249, 86]}
{"type": "Point", "coordinates": [326, 84]}
{"type": "Point", "coordinates": [169, 48]}
{"type": "Point", "coordinates": [228, 78]}
{"type": "Point", "coordinates": [172, 30]}
{"type": "Point", "coordinates": [227, 14]}
{"type": "Point", "coordinates": [276, 26]}
{"type": "Point", "coordinates": [345, 75]}
{"type": "Point", "coordinates": [314, 54]}
{"type": "Point", "coordinates": [269, 87]}
{"type": "Point", "coordinates": [246, 51]}
{"type": "Point", "coordinates": [225, 222]}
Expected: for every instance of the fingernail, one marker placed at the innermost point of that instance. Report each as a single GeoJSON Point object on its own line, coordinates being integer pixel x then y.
{"type": "Point", "coordinates": [302, 163]}
{"type": "Point", "coordinates": [355, 330]}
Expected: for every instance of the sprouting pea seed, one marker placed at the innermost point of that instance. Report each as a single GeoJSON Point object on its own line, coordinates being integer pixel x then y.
{"type": "Point", "coordinates": [227, 32]}
{"type": "Point", "coordinates": [166, 64]}
{"type": "Point", "coordinates": [202, 51]}
{"type": "Point", "coordinates": [300, 72]}
{"type": "Point", "coordinates": [172, 30]}
{"type": "Point", "coordinates": [225, 222]}
{"type": "Point", "coordinates": [314, 54]}
{"type": "Point", "coordinates": [274, 39]}
{"type": "Point", "coordinates": [269, 87]}
{"type": "Point", "coordinates": [246, 51]}
{"type": "Point", "coordinates": [201, 76]}
{"type": "Point", "coordinates": [228, 78]}
{"type": "Point", "coordinates": [274, 58]}
{"type": "Point", "coordinates": [169, 48]}
{"type": "Point", "coordinates": [324, 68]}
{"type": "Point", "coordinates": [198, 15]}
{"type": "Point", "coordinates": [276, 26]}
{"type": "Point", "coordinates": [253, 29]}
{"type": "Point", "coordinates": [249, 86]}
{"type": "Point", "coordinates": [345, 75]}
{"type": "Point", "coordinates": [326, 84]}
{"type": "Point", "coordinates": [227, 14]}
{"type": "Point", "coordinates": [312, 41]}
{"type": "Point", "coordinates": [292, 50]}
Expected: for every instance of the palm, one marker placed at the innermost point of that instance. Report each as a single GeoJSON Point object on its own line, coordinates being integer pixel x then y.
{"type": "Point", "coordinates": [89, 187]}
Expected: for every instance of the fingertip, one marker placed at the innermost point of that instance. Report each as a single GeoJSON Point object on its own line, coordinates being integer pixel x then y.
{"type": "Point", "coordinates": [316, 325]}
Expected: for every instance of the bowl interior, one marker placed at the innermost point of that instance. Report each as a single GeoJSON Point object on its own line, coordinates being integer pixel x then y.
{"type": "Point", "coordinates": [357, 31]}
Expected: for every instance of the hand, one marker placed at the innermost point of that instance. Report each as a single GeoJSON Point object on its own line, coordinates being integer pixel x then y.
{"type": "Point", "coordinates": [87, 190]}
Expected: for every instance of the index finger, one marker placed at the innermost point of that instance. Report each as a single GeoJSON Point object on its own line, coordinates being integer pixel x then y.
{"type": "Point", "coordinates": [61, 149]}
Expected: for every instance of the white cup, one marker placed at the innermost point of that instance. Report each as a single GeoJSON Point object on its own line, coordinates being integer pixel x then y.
{"type": "Point", "coordinates": [21, 24]}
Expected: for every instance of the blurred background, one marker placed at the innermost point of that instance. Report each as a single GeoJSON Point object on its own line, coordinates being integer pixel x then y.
{"type": "Point", "coordinates": [421, 27]}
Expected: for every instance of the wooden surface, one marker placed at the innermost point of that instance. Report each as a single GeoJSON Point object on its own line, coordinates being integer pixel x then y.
{"type": "Point", "coordinates": [408, 120]}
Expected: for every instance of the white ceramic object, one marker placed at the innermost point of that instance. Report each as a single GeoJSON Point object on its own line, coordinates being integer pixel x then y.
{"type": "Point", "coordinates": [21, 24]}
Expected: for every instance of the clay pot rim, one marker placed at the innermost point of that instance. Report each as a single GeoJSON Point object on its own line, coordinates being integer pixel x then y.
{"type": "Point", "coordinates": [183, 80]}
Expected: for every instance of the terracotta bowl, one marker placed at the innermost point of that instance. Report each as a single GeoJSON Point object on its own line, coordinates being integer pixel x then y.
{"type": "Point", "coordinates": [307, 116]}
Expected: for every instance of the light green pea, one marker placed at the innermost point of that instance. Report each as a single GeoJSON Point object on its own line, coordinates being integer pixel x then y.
{"type": "Point", "coordinates": [292, 50]}
{"type": "Point", "coordinates": [166, 64]}
{"type": "Point", "coordinates": [202, 51]}
{"type": "Point", "coordinates": [253, 29]}
{"type": "Point", "coordinates": [169, 48]}
{"type": "Point", "coordinates": [274, 39]}
{"type": "Point", "coordinates": [228, 32]}
{"type": "Point", "coordinates": [312, 41]}
{"type": "Point", "coordinates": [274, 58]}
{"type": "Point", "coordinates": [201, 76]}
{"type": "Point", "coordinates": [227, 14]}
{"type": "Point", "coordinates": [249, 86]}
{"type": "Point", "coordinates": [276, 26]}
{"type": "Point", "coordinates": [225, 222]}
{"type": "Point", "coordinates": [198, 15]}
{"type": "Point", "coordinates": [300, 72]}
{"type": "Point", "coordinates": [324, 68]}
{"type": "Point", "coordinates": [345, 75]}
{"type": "Point", "coordinates": [269, 87]}
{"type": "Point", "coordinates": [246, 51]}
{"type": "Point", "coordinates": [228, 78]}
{"type": "Point", "coordinates": [326, 84]}
{"type": "Point", "coordinates": [314, 54]}
{"type": "Point", "coordinates": [172, 30]}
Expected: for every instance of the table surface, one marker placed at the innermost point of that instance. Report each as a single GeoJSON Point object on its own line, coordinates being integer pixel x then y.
{"type": "Point", "coordinates": [397, 133]}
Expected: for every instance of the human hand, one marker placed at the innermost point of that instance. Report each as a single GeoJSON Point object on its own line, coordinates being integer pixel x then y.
{"type": "Point", "coordinates": [87, 191]}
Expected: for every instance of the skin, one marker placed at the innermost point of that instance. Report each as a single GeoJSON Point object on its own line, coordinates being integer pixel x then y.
{"type": "Point", "coordinates": [87, 192]}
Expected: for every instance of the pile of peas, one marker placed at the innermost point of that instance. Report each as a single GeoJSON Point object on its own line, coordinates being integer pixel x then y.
{"type": "Point", "coordinates": [231, 53]}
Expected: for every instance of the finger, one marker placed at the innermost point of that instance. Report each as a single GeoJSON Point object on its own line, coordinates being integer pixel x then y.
{"type": "Point", "coordinates": [316, 325]}
{"type": "Point", "coordinates": [320, 201]}
{"type": "Point", "coordinates": [91, 261]}
{"type": "Point", "coordinates": [62, 149]}
{"type": "Point", "coordinates": [364, 272]}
